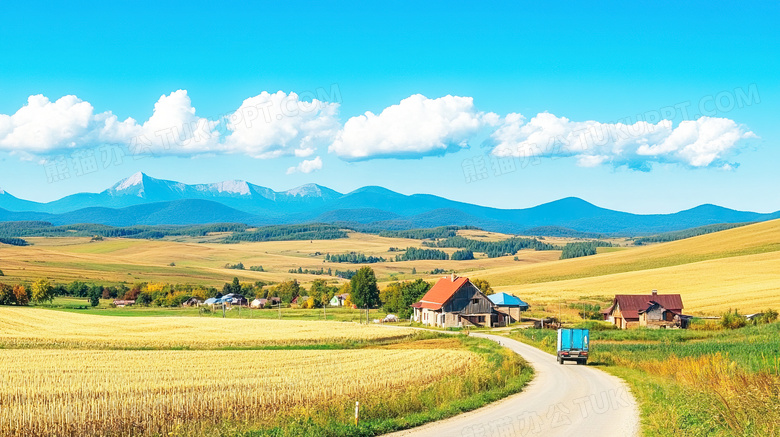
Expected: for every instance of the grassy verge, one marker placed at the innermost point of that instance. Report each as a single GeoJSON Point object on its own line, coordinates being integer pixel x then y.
{"type": "Point", "coordinates": [722, 383]}
{"type": "Point", "coordinates": [500, 374]}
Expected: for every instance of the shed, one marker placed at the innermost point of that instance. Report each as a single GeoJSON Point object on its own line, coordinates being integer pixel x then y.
{"type": "Point", "coordinates": [511, 306]}
{"type": "Point", "coordinates": [258, 303]}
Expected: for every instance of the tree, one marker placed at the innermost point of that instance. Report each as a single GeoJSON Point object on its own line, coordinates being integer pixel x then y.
{"type": "Point", "coordinates": [390, 297]}
{"type": "Point", "coordinates": [42, 291]}
{"type": "Point", "coordinates": [78, 289]}
{"type": "Point", "coordinates": [483, 285]}
{"type": "Point", "coordinates": [94, 296]}
{"type": "Point", "coordinates": [144, 298]}
{"type": "Point", "coordinates": [20, 293]}
{"type": "Point", "coordinates": [6, 294]}
{"type": "Point", "coordinates": [411, 292]}
{"type": "Point", "coordinates": [235, 286]}
{"type": "Point", "coordinates": [321, 292]}
{"type": "Point", "coordinates": [287, 290]}
{"type": "Point", "coordinates": [365, 293]}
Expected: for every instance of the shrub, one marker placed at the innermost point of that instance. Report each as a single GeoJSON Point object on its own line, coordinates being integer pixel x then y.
{"type": "Point", "coordinates": [732, 320]}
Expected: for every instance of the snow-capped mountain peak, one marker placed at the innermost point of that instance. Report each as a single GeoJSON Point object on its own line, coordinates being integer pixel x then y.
{"type": "Point", "coordinates": [135, 179]}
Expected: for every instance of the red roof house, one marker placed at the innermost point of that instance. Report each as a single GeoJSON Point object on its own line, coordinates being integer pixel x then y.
{"type": "Point", "coordinates": [656, 310]}
{"type": "Point", "coordinates": [456, 302]}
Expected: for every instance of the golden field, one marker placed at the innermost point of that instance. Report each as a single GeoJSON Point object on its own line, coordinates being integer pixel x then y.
{"type": "Point", "coordinates": [117, 260]}
{"type": "Point", "coordinates": [108, 392]}
{"type": "Point", "coordinates": [736, 268]}
{"type": "Point", "coordinates": [22, 327]}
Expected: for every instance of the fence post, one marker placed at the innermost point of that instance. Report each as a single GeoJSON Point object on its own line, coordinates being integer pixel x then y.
{"type": "Point", "coordinates": [357, 412]}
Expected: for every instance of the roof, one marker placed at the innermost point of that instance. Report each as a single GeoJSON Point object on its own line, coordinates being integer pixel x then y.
{"type": "Point", "coordinates": [631, 304]}
{"type": "Point", "coordinates": [441, 292]}
{"type": "Point", "coordinates": [504, 299]}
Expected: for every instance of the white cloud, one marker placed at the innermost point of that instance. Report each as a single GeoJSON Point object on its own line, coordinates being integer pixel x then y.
{"type": "Point", "coordinates": [306, 166]}
{"type": "Point", "coordinates": [172, 129]}
{"type": "Point", "coordinates": [696, 143]}
{"type": "Point", "coordinates": [43, 126]}
{"type": "Point", "coordinates": [415, 127]}
{"type": "Point", "coordinates": [272, 125]}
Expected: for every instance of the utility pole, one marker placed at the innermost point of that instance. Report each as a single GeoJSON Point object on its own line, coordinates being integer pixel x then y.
{"type": "Point", "coordinates": [280, 309]}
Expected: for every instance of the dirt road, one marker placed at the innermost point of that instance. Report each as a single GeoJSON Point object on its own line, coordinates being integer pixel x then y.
{"type": "Point", "coordinates": [562, 400]}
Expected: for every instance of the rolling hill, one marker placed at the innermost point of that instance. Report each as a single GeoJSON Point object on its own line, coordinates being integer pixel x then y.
{"type": "Point", "coordinates": [141, 199]}
{"type": "Point", "coordinates": [735, 268]}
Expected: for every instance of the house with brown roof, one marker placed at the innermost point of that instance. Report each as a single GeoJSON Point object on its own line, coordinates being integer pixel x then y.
{"type": "Point", "coordinates": [653, 311]}
{"type": "Point", "coordinates": [455, 302]}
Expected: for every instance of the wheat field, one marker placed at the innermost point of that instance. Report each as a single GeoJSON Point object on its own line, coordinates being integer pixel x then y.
{"type": "Point", "coordinates": [39, 328]}
{"type": "Point", "coordinates": [110, 392]}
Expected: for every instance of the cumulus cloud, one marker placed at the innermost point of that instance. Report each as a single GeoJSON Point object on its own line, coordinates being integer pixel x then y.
{"type": "Point", "coordinates": [264, 126]}
{"type": "Point", "coordinates": [42, 126]}
{"type": "Point", "coordinates": [415, 127]}
{"type": "Point", "coordinates": [172, 129]}
{"type": "Point", "coordinates": [695, 143]}
{"type": "Point", "coordinates": [306, 166]}
{"type": "Point", "coordinates": [272, 125]}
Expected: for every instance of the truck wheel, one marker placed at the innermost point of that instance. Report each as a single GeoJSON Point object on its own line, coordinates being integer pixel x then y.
{"type": "Point", "coordinates": [560, 360]}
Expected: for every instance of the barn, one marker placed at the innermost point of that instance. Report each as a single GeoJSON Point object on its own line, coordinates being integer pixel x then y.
{"type": "Point", "coordinates": [455, 302]}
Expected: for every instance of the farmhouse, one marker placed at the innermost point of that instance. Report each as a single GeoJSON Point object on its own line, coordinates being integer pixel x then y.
{"type": "Point", "coordinates": [338, 300]}
{"type": "Point", "coordinates": [456, 302]}
{"type": "Point", "coordinates": [123, 303]}
{"type": "Point", "coordinates": [510, 306]}
{"type": "Point", "coordinates": [258, 303]}
{"type": "Point", "coordinates": [653, 311]}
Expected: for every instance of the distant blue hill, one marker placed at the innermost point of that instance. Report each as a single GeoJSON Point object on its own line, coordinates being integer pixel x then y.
{"type": "Point", "coordinates": [143, 200]}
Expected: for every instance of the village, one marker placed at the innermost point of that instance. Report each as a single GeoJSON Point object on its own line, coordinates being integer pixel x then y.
{"type": "Point", "coordinates": [455, 302]}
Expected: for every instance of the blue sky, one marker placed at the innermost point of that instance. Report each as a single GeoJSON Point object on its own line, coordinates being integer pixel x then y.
{"type": "Point", "coordinates": [615, 62]}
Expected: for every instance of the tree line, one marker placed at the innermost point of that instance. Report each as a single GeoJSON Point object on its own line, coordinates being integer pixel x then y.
{"type": "Point", "coordinates": [493, 249]}
{"type": "Point", "coordinates": [687, 233]}
{"type": "Point", "coordinates": [584, 248]}
{"type": "Point", "coordinates": [413, 254]}
{"type": "Point", "coordinates": [353, 257]}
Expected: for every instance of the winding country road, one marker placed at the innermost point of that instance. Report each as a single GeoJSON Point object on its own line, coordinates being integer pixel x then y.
{"type": "Point", "coordinates": [562, 400]}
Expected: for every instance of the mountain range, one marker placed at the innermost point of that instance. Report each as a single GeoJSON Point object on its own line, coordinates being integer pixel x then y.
{"type": "Point", "coordinates": [144, 200]}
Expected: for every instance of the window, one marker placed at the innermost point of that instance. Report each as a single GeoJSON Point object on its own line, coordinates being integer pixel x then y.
{"type": "Point", "coordinates": [475, 301]}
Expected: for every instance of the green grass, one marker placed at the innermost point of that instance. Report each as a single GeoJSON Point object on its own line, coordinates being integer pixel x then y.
{"type": "Point", "coordinates": [745, 361]}
{"type": "Point", "coordinates": [82, 306]}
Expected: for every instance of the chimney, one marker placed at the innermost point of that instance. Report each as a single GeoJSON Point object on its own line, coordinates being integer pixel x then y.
{"type": "Point", "coordinates": [453, 277]}
{"type": "Point", "coordinates": [655, 294]}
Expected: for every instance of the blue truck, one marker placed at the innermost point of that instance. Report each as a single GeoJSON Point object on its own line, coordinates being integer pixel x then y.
{"type": "Point", "coordinates": [573, 345]}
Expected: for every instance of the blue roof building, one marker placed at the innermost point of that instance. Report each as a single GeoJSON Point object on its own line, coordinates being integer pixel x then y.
{"type": "Point", "coordinates": [507, 300]}
{"type": "Point", "coordinates": [510, 306]}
